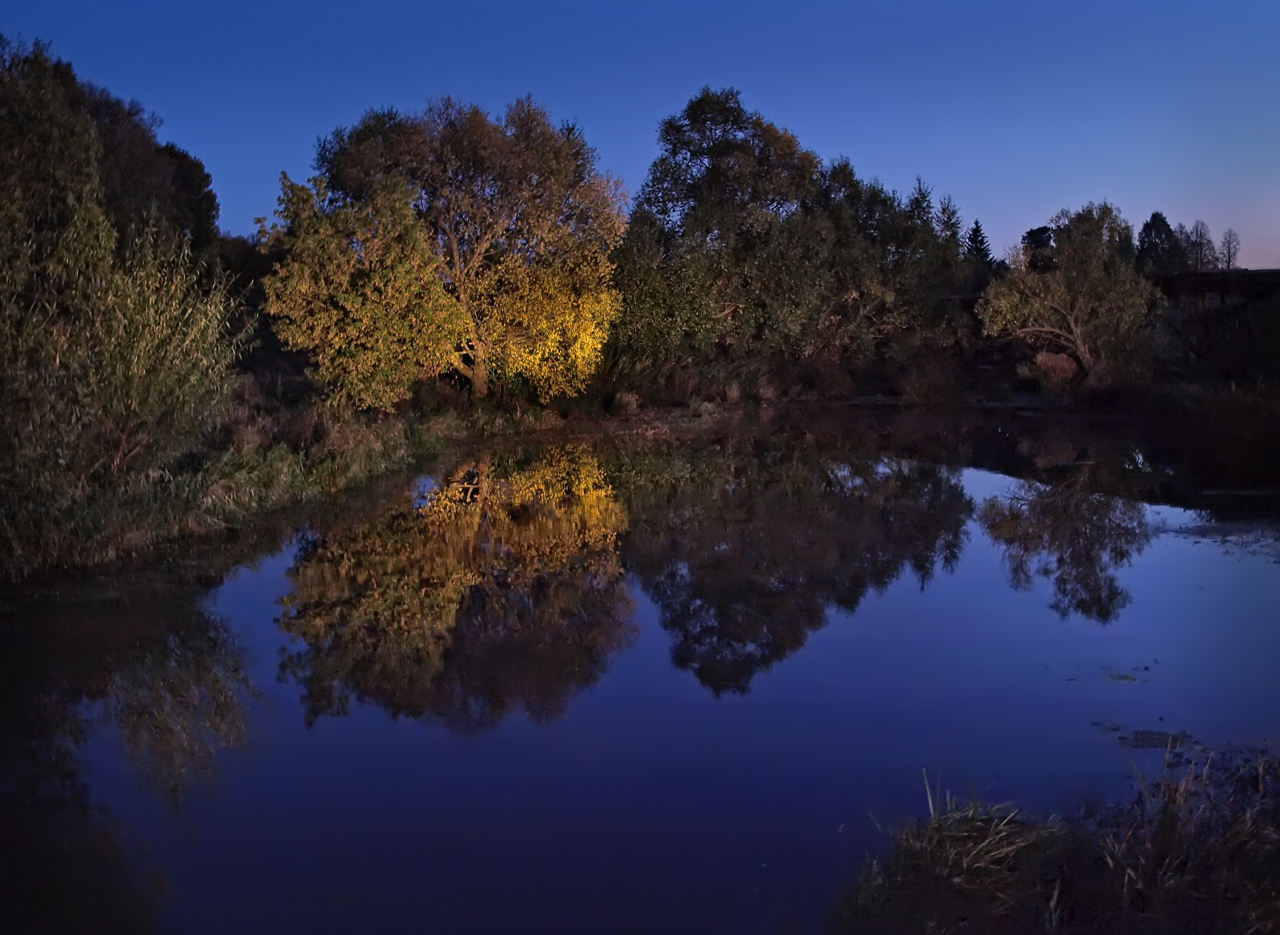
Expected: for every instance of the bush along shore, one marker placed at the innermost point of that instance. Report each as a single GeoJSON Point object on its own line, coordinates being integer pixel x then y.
{"type": "Point", "coordinates": [1196, 850]}
{"type": "Point", "coordinates": [452, 272]}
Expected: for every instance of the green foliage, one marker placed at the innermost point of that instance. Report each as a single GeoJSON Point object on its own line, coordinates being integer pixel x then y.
{"type": "Point", "coordinates": [1037, 249]}
{"type": "Point", "coordinates": [669, 308]}
{"type": "Point", "coordinates": [147, 190]}
{"type": "Point", "coordinates": [742, 245]}
{"type": "Point", "coordinates": [113, 365]}
{"type": "Point", "coordinates": [1080, 296]}
{"type": "Point", "coordinates": [522, 223]}
{"type": "Point", "coordinates": [150, 189]}
{"type": "Point", "coordinates": [731, 195]}
{"type": "Point", "coordinates": [896, 262]}
{"type": "Point", "coordinates": [358, 290]}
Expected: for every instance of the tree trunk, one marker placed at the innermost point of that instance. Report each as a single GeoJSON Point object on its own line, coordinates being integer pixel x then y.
{"type": "Point", "coordinates": [478, 372]}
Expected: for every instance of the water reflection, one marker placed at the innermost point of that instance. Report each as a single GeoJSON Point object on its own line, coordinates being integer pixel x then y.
{"type": "Point", "coordinates": [180, 703]}
{"type": "Point", "coordinates": [743, 550]}
{"type": "Point", "coordinates": [503, 591]}
{"type": "Point", "coordinates": [1072, 535]}
{"type": "Point", "coordinates": [169, 678]}
{"type": "Point", "coordinates": [65, 866]}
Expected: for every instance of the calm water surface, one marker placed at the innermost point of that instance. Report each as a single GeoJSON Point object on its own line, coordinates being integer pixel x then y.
{"type": "Point", "coordinates": [631, 688]}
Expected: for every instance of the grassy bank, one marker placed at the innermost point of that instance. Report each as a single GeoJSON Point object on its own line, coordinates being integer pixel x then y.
{"type": "Point", "coordinates": [1195, 851]}
{"type": "Point", "coordinates": [260, 459]}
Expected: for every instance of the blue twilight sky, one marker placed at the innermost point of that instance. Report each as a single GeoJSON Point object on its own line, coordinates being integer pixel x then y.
{"type": "Point", "coordinates": [1014, 109]}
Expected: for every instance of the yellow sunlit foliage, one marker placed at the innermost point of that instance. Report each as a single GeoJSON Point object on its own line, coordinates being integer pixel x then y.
{"type": "Point", "coordinates": [523, 224]}
{"type": "Point", "coordinates": [359, 291]}
{"type": "Point", "coordinates": [552, 327]}
{"type": "Point", "coordinates": [534, 547]}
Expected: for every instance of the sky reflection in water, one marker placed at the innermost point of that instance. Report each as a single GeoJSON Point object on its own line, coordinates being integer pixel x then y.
{"type": "Point", "coordinates": [838, 621]}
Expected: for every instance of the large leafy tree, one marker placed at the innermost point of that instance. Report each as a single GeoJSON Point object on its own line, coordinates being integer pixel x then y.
{"type": "Point", "coordinates": [1080, 297]}
{"type": "Point", "coordinates": [895, 261]}
{"type": "Point", "coordinates": [743, 244]}
{"type": "Point", "coordinates": [725, 172]}
{"type": "Point", "coordinates": [148, 186]}
{"type": "Point", "coordinates": [725, 247]}
{"type": "Point", "coordinates": [522, 223]}
{"type": "Point", "coordinates": [359, 291]}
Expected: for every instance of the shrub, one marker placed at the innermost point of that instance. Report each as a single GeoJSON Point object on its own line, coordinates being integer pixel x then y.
{"type": "Point", "coordinates": [111, 368]}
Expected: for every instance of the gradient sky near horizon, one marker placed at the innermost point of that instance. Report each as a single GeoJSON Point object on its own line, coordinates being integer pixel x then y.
{"type": "Point", "coordinates": [1014, 109]}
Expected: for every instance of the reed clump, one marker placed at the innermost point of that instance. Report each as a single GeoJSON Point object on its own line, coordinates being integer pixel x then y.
{"type": "Point", "coordinates": [1195, 851]}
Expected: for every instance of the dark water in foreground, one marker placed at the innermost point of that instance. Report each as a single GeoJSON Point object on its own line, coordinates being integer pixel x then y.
{"type": "Point", "coordinates": [631, 687]}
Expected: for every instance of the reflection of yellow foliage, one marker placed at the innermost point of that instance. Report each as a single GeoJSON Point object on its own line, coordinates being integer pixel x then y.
{"type": "Point", "coordinates": [378, 607]}
{"type": "Point", "coordinates": [556, 515]}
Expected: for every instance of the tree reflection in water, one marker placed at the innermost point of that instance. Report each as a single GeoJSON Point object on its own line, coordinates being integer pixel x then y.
{"type": "Point", "coordinates": [744, 551]}
{"type": "Point", "coordinates": [169, 677]}
{"type": "Point", "coordinates": [504, 590]}
{"type": "Point", "coordinates": [180, 703]}
{"type": "Point", "coordinates": [1069, 534]}
{"type": "Point", "coordinates": [64, 863]}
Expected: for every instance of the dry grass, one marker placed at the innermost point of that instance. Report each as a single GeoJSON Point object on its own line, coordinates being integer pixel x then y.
{"type": "Point", "coordinates": [1194, 852]}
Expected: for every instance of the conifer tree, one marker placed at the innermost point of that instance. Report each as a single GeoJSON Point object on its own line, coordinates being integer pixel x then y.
{"type": "Point", "coordinates": [977, 249]}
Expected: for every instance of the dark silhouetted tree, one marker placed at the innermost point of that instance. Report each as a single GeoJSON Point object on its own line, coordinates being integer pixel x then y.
{"type": "Point", "coordinates": [1038, 249]}
{"type": "Point", "coordinates": [1160, 249]}
{"type": "Point", "coordinates": [1229, 252]}
{"type": "Point", "coordinates": [977, 249]}
{"type": "Point", "coordinates": [1198, 244]}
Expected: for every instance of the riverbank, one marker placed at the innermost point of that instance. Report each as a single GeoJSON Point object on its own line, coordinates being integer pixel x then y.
{"type": "Point", "coordinates": [274, 452]}
{"type": "Point", "coordinates": [1196, 850]}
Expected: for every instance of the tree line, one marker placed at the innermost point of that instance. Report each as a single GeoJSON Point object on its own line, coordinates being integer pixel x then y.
{"type": "Point", "coordinates": [490, 253]}
{"type": "Point", "coordinates": [492, 249]}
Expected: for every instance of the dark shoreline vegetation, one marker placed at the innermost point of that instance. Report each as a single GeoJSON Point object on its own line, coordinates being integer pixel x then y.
{"type": "Point", "coordinates": [468, 294]}
{"type": "Point", "coordinates": [448, 274]}
{"type": "Point", "coordinates": [1197, 849]}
